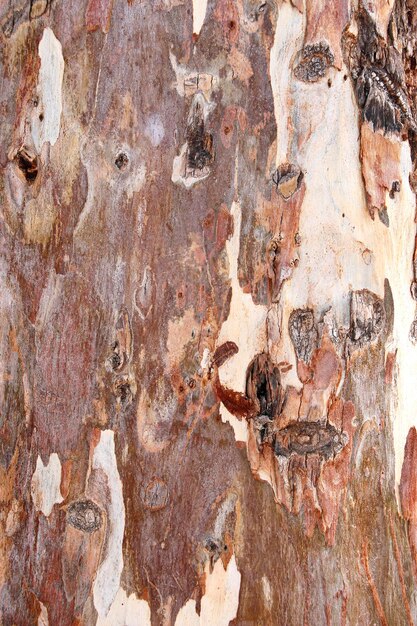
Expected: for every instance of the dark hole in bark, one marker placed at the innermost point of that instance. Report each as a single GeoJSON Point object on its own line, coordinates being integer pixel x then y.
{"type": "Point", "coordinates": [28, 164]}
{"type": "Point", "coordinates": [116, 359]}
{"type": "Point", "coordinates": [121, 161]}
{"type": "Point", "coordinates": [263, 384]}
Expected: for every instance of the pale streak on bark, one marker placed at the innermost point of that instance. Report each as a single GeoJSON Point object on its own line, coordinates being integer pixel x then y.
{"type": "Point", "coordinates": [107, 580]}
{"type": "Point", "coordinates": [51, 75]}
{"type": "Point", "coordinates": [288, 39]}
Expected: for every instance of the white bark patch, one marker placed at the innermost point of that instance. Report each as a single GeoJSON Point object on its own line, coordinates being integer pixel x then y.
{"type": "Point", "coordinates": [399, 273]}
{"type": "Point", "coordinates": [267, 591]}
{"type": "Point", "coordinates": [205, 360]}
{"type": "Point", "coordinates": [45, 485]}
{"type": "Point", "coordinates": [245, 325]}
{"type": "Point", "coordinates": [107, 581]}
{"type": "Point", "coordinates": [220, 602]}
{"type": "Point", "coordinates": [127, 611]}
{"type": "Point", "coordinates": [199, 13]}
{"type": "Point", "coordinates": [47, 116]}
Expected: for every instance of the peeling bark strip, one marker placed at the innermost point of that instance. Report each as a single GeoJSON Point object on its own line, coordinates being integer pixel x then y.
{"type": "Point", "coordinates": [378, 76]}
{"type": "Point", "coordinates": [195, 302]}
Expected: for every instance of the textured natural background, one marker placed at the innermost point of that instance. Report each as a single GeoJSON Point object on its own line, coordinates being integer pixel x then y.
{"type": "Point", "coordinates": [208, 341]}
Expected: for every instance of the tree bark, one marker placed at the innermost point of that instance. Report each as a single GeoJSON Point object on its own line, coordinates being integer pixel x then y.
{"type": "Point", "coordinates": [208, 320]}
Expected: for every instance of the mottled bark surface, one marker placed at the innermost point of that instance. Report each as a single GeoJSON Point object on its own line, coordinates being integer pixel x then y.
{"type": "Point", "coordinates": [207, 318]}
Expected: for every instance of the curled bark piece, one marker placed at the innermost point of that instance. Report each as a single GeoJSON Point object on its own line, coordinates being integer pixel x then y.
{"type": "Point", "coordinates": [237, 403]}
{"type": "Point", "coordinates": [224, 352]}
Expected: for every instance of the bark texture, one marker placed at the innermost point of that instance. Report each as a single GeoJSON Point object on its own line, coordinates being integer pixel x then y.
{"type": "Point", "coordinates": [208, 326]}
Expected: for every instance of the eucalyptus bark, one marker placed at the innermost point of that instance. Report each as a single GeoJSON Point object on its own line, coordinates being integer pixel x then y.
{"type": "Point", "coordinates": [208, 325]}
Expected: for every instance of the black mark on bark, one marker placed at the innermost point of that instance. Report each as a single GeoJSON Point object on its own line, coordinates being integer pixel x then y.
{"type": "Point", "coordinates": [200, 151]}
{"type": "Point", "coordinates": [122, 161]}
{"type": "Point", "coordinates": [383, 216]}
{"type": "Point", "coordinates": [395, 188]}
{"type": "Point", "coordinates": [28, 164]}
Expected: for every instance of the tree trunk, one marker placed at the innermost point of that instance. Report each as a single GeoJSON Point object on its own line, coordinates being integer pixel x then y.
{"type": "Point", "coordinates": [208, 324]}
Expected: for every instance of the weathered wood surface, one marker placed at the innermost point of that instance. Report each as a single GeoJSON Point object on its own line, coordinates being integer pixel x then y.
{"type": "Point", "coordinates": [207, 318]}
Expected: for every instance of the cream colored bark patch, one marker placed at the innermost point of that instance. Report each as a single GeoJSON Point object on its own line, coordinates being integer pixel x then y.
{"type": "Point", "coordinates": [45, 486]}
{"type": "Point", "coordinates": [107, 581]}
{"type": "Point", "coordinates": [220, 602]}
{"type": "Point", "coordinates": [199, 13]}
{"type": "Point", "coordinates": [47, 116]}
{"type": "Point", "coordinates": [288, 39]}
{"type": "Point", "coordinates": [127, 611]}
